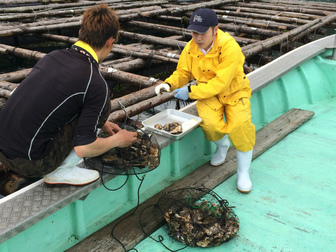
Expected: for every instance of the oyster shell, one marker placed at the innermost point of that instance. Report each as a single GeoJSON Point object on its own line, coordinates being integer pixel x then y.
{"type": "Point", "coordinates": [176, 130]}
{"type": "Point", "coordinates": [158, 126]}
{"type": "Point", "coordinates": [142, 153]}
{"type": "Point", "coordinates": [204, 224]}
{"type": "Point", "coordinates": [166, 127]}
{"type": "Point", "coordinates": [173, 128]}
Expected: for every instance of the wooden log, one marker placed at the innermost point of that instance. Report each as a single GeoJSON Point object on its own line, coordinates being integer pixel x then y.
{"type": "Point", "coordinates": [254, 49]}
{"type": "Point", "coordinates": [178, 30]}
{"type": "Point", "coordinates": [130, 14]}
{"type": "Point", "coordinates": [152, 39]}
{"type": "Point", "coordinates": [232, 11]}
{"type": "Point", "coordinates": [15, 76]}
{"type": "Point", "coordinates": [130, 65]}
{"type": "Point", "coordinates": [4, 93]}
{"type": "Point", "coordinates": [107, 72]}
{"type": "Point", "coordinates": [125, 50]}
{"type": "Point", "coordinates": [34, 16]}
{"type": "Point", "coordinates": [288, 8]}
{"type": "Point", "coordinates": [248, 30]}
{"type": "Point", "coordinates": [133, 79]}
{"type": "Point", "coordinates": [149, 54]}
{"type": "Point", "coordinates": [179, 9]}
{"type": "Point", "coordinates": [254, 23]}
{"type": "Point", "coordinates": [2, 102]}
{"type": "Point", "coordinates": [272, 12]}
{"type": "Point", "coordinates": [46, 28]}
{"type": "Point", "coordinates": [304, 4]}
{"type": "Point", "coordinates": [24, 53]}
{"type": "Point", "coordinates": [82, 4]}
{"type": "Point", "coordinates": [123, 114]}
{"type": "Point", "coordinates": [129, 231]}
{"type": "Point", "coordinates": [17, 2]}
{"type": "Point", "coordinates": [133, 98]}
{"type": "Point", "coordinates": [5, 85]}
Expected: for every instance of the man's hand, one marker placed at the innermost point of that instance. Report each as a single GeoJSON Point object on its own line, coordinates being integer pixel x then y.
{"type": "Point", "coordinates": [126, 138]}
{"type": "Point", "coordinates": [181, 93]}
{"type": "Point", "coordinates": [162, 88]}
{"type": "Point", "coordinates": [110, 128]}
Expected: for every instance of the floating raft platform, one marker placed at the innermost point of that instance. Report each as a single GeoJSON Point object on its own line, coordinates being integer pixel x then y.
{"type": "Point", "coordinates": [152, 35]}
{"type": "Point", "coordinates": [56, 218]}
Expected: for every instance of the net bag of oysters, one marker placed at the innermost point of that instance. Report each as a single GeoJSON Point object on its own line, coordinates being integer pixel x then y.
{"type": "Point", "coordinates": [198, 217]}
{"type": "Point", "coordinates": [142, 156]}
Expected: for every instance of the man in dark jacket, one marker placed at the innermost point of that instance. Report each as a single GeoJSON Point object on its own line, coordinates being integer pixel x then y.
{"type": "Point", "coordinates": [51, 120]}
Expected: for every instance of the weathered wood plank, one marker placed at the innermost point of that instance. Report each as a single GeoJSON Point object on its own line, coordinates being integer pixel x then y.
{"type": "Point", "coordinates": [129, 231]}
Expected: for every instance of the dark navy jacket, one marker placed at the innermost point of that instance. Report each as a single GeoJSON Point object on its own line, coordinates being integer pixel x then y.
{"type": "Point", "coordinates": [62, 85]}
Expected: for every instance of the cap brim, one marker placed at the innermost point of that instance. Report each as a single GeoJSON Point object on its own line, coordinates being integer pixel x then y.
{"type": "Point", "coordinates": [198, 28]}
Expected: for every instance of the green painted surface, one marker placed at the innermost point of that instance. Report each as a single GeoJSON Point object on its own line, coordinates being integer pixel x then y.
{"type": "Point", "coordinates": [71, 224]}
{"type": "Point", "coordinates": [292, 205]}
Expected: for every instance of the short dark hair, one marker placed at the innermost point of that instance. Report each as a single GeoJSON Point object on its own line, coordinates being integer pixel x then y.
{"type": "Point", "coordinates": [99, 23]}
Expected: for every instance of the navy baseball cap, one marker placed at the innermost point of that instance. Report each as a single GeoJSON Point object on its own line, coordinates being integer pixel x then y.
{"type": "Point", "coordinates": [202, 19]}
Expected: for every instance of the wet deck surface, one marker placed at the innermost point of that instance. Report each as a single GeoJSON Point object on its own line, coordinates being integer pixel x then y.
{"type": "Point", "coordinates": [291, 206]}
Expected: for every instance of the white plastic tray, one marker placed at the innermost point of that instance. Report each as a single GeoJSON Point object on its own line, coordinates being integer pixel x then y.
{"type": "Point", "coordinates": [188, 122]}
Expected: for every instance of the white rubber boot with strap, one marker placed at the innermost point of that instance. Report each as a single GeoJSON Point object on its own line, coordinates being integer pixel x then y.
{"type": "Point", "coordinates": [244, 184]}
{"type": "Point", "coordinates": [219, 156]}
{"type": "Point", "coordinates": [69, 173]}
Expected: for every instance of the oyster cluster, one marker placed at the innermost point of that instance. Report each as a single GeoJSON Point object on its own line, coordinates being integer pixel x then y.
{"type": "Point", "coordinates": [142, 153]}
{"type": "Point", "coordinates": [204, 225]}
{"type": "Point", "coordinates": [173, 128]}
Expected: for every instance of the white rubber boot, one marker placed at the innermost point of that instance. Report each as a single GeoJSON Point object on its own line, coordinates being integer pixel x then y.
{"type": "Point", "coordinates": [219, 156]}
{"type": "Point", "coordinates": [244, 184]}
{"type": "Point", "coordinates": [69, 173]}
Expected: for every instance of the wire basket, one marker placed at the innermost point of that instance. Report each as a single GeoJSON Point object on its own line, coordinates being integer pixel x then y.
{"type": "Point", "coordinates": [198, 217]}
{"type": "Point", "coordinates": [141, 157]}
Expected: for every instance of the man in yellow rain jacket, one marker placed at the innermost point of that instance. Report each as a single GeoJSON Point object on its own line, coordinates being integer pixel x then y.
{"type": "Point", "coordinates": [216, 61]}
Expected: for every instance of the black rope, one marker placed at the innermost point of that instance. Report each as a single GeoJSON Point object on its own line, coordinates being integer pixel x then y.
{"type": "Point", "coordinates": [135, 209]}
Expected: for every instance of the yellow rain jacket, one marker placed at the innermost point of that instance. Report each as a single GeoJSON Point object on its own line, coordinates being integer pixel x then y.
{"type": "Point", "coordinates": [221, 82]}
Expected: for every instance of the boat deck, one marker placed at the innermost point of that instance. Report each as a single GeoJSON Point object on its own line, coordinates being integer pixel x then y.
{"type": "Point", "coordinates": [42, 204]}
{"type": "Point", "coordinates": [291, 201]}
{"type": "Point", "coordinates": [291, 206]}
